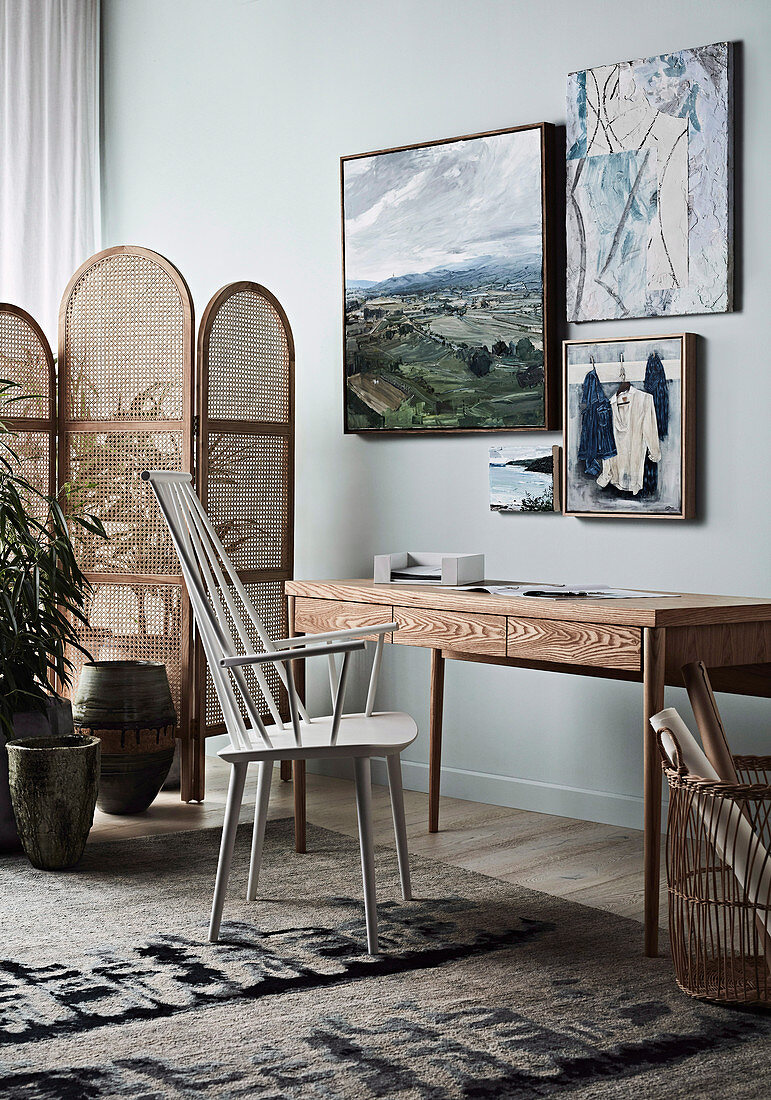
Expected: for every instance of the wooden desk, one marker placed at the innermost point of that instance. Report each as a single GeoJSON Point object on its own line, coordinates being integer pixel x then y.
{"type": "Point", "coordinates": [643, 640]}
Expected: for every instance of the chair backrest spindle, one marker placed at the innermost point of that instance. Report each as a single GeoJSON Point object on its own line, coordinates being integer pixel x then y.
{"type": "Point", "coordinates": [374, 675]}
{"type": "Point", "coordinates": [246, 602]}
{"type": "Point", "coordinates": [212, 638]}
{"type": "Point", "coordinates": [209, 565]}
{"type": "Point", "coordinates": [221, 607]}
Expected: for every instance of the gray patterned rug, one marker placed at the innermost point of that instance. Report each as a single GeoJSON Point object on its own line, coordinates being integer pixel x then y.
{"type": "Point", "coordinates": [108, 988]}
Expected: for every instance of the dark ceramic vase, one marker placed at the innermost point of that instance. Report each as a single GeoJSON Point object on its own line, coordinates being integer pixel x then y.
{"type": "Point", "coordinates": [55, 718]}
{"type": "Point", "coordinates": [128, 706]}
{"type": "Point", "coordinates": [53, 783]}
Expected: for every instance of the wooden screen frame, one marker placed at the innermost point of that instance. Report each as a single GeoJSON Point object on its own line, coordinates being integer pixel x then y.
{"type": "Point", "coordinates": [67, 425]}
{"type": "Point", "coordinates": [47, 424]}
{"type": "Point", "coordinates": [205, 425]}
{"type": "Point", "coordinates": [550, 289]}
{"type": "Point", "coordinates": [688, 432]}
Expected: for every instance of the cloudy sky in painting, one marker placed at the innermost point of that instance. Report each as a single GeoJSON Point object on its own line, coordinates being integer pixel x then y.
{"type": "Point", "coordinates": [415, 210]}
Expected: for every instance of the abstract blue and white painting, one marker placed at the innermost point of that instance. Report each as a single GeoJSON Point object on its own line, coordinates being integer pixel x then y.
{"type": "Point", "coordinates": [521, 479]}
{"type": "Point", "coordinates": [649, 187]}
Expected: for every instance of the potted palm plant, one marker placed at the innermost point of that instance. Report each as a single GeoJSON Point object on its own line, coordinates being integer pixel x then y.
{"type": "Point", "coordinates": [42, 597]}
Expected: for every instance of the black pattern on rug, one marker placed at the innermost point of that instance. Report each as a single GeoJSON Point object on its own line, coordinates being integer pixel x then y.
{"type": "Point", "coordinates": [170, 975]}
{"type": "Point", "coordinates": [108, 987]}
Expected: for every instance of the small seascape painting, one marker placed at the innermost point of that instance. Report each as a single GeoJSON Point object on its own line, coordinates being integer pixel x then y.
{"type": "Point", "coordinates": [447, 308]}
{"type": "Point", "coordinates": [521, 479]}
{"type": "Point", "coordinates": [649, 187]}
{"type": "Point", "coordinates": [628, 432]}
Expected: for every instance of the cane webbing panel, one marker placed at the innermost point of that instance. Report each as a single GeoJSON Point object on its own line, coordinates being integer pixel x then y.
{"type": "Point", "coordinates": [124, 341]}
{"type": "Point", "coordinates": [33, 450]}
{"type": "Point", "coordinates": [248, 498]}
{"type": "Point", "coordinates": [248, 361]}
{"type": "Point", "coordinates": [125, 347]}
{"type": "Point", "coordinates": [23, 359]}
{"type": "Point", "coordinates": [269, 600]}
{"type": "Point", "coordinates": [135, 622]}
{"type": "Point", "coordinates": [104, 469]}
{"type": "Point", "coordinates": [26, 359]}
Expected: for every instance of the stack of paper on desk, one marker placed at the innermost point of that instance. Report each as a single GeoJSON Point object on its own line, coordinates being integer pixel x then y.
{"type": "Point", "coordinates": [561, 591]}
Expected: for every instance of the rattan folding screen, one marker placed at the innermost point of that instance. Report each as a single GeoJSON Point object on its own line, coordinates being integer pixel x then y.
{"type": "Point", "coordinates": [126, 345]}
{"type": "Point", "coordinates": [126, 388]}
{"type": "Point", "coordinates": [245, 466]}
{"type": "Point", "coordinates": [26, 358]}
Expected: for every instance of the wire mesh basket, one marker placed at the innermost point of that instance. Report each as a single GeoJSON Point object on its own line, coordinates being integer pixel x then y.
{"type": "Point", "coordinates": [719, 880]}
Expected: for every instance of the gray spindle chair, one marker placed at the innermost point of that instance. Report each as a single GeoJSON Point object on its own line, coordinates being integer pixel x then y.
{"type": "Point", "coordinates": [222, 610]}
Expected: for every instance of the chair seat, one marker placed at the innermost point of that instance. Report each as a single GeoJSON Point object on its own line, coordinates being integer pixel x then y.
{"type": "Point", "coordinates": [379, 735]}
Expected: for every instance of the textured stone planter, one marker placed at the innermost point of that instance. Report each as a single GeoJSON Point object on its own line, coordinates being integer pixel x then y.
{"type": "Point", "coordinates": [53, 783]}
{"type": "Point", "coordinates": [128, 706]}
{"type": "Point", "coordinates": [55, 719]}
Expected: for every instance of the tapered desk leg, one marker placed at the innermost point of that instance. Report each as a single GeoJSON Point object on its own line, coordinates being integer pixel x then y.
{"type": "Point", "coordinates": [187, 749]}
{"type": "Point", "coordinates": [286, 765]}
{"type": "Point", "coordinates": [192, 768]}
{"type": "Point", "coordinates": [192, 719]}
{"type": "Point", "coordinates": [298, 768]}
{"type": "Point", "coordinates": [299, 805]}
{"type": "Point", "coordinates": [435, 734]}
{"type": "Point", "coordinates": [654, 653]}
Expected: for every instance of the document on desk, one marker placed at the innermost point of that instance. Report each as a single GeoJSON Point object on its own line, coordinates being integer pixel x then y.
{"type": "Point", "coordinates": [417, 574]}
{"type": "Point", "coordinates": [562, 591]}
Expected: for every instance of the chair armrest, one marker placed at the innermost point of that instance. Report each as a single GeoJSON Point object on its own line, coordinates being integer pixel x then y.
{"type": "Point", "coordinates": [355, 632]}
{"type": "Point", "coordinates": [290, 654]}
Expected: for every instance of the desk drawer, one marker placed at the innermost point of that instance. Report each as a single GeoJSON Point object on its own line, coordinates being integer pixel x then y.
{"type": "Point", "coordinates": [444, 630]}
{"type": "Point", "coordinates": [575, 643]}
{"type": "Point", "coordinates": [313, 616]}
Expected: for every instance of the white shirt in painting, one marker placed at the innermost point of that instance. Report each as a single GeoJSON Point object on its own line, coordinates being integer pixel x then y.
{"type": "Point", "coordinates": [636, 433]}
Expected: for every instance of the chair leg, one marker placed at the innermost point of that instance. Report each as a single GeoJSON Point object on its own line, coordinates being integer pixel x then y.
{"type": "Point", "coordinates": [362, 774]}
{"type": "Point", "coordinates": [400, 825]}
{"type": "Point", "coordinates": [229, 827]}
{"type": "Point", "coordinates": [258, 834]}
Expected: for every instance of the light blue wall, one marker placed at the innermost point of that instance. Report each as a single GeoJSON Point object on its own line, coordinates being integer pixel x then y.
{"type": "Point", "coordinates": [224, 121]}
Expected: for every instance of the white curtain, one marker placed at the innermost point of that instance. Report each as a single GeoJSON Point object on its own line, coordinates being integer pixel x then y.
{"type": "Point", "coordinates": [49, 141]}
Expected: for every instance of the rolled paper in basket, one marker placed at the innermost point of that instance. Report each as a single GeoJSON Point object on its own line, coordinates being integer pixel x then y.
{"type": "Point", "coordinates": [731, 834]}
{"type": "Point", "coordinates": [707, 717]}
{"type": "Point", "coordinates": [690, 749]}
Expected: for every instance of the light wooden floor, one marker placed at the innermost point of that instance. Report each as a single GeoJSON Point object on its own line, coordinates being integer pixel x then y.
{"type": "Point", "coordinates": [598, 865]}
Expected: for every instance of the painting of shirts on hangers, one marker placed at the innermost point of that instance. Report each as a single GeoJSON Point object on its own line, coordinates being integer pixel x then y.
{"type": "Point", "coordinates": [628, 429]}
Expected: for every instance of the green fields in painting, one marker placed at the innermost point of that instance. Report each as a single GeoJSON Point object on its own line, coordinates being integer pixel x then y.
{"type": "Point", "coordinates": [445, 361]}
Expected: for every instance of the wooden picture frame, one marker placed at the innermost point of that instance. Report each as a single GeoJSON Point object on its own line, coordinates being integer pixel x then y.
{"type": "Point", "coordinates": [399, 378]}
{"type": "Point", "coordinates": [525, 478]}
{"type": "Point", "coordinates": [633, 483]}
{"type": "Point", "coordinates": [649, 186]}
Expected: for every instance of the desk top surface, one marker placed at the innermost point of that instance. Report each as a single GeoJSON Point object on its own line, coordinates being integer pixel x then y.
{"type": "Point", "coordinates": [679, 609]}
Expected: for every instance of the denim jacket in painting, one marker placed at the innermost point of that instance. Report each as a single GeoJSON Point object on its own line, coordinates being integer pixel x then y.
{"type": "Point", "coordinates": [597, 441]}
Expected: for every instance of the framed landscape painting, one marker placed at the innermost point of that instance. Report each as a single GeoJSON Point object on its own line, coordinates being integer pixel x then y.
{"type": "Point", "coordinates": [524, 478]}
{"type": "Point", "coordinates": [447, 291]}
{"type": "Point", "coordinates": [649, 187]}
{"type": "Point", "coordinates": [628, 432]}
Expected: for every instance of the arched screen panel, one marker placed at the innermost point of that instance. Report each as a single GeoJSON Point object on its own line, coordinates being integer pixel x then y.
{"type": "Point", "coordinates": [26, 358]}
{"type": "Point", "coordinates": [245, 462]}
{"type": "Point", "coordinates": [126, 342]}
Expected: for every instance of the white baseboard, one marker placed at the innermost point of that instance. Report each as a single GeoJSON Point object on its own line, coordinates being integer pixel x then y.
{"type": "Point", "coordinates": [606, 807]}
